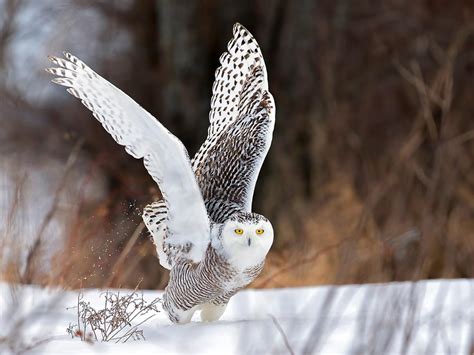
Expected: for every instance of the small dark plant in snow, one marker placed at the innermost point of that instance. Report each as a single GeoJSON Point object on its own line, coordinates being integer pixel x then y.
{"type": "Point", "coordinates": [118, 321]}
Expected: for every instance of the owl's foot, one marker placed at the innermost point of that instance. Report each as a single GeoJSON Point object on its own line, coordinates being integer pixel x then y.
{"type": "Point", "coordinates": [181, 317]}
{"type": "Point", "coordinates": [175, 314]}
{"type": "Point", "coordinates": [212, 312]}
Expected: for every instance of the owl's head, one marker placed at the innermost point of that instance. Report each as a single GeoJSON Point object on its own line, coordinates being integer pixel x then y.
{"type": "Point", "coordinates": [247, 238]}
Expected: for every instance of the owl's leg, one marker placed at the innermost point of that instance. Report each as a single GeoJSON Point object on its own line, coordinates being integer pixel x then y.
{"type": "Point", "coordinates": [211, 312]}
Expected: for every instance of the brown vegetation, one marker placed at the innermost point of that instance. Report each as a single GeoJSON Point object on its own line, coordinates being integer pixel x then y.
{"type": "Point", "coordinates": [371, 172]}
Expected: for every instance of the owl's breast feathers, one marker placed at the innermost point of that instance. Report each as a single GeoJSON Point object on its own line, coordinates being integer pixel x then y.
{"type": "Point", "coordinates": [213, 280]}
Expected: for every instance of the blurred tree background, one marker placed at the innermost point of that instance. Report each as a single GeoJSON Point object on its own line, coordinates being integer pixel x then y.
{"type": "Point", "coordinates": [371, 172]}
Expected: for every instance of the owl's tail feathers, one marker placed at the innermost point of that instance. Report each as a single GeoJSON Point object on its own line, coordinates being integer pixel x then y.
{"type": "Point", "coordinates": [155, 216]}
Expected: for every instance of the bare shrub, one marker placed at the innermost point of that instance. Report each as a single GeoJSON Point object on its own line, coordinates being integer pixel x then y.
{"type": "Point", "coordinates": [118, 321]}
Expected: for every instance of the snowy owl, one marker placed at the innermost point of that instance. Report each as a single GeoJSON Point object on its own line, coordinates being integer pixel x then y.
{"type": "Point", "coordinates": [203, 228]}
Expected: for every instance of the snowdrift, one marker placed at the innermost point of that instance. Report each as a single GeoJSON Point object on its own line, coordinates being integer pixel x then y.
{"type": "Point", "coordinates": [422, 317]}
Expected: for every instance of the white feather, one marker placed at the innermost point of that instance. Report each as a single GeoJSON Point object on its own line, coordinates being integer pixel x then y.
{"type": "Point", "coordinates": [143, 136]}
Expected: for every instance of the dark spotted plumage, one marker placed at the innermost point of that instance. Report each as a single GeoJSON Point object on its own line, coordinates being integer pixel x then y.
{"type": "Point", "coordinates": [241, 119]}
{"type": "Point", "coordinates": [229, 168]}
{"type": "Point", "coordinates": [248, 217]}
{"type": "Point", "coordinates": [204, 230]}
{"type": "Point", "coordinates": [228, 173]}
{"type": "Point", "coordinates": [226, 168]}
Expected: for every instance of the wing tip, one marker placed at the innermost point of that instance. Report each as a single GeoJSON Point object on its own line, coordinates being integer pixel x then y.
{"type": "Point", "coordinates": [240, 30]}
{"type": "Point", "coordinates": [236, 27]}
{"type": "Point", "coordinates": [69, 56]}
{"type": "Point", "coordinates": [239, 27]}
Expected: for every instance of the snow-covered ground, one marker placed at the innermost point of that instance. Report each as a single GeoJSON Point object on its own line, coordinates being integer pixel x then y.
{"type": "Point", "coordinates": [428, 317]}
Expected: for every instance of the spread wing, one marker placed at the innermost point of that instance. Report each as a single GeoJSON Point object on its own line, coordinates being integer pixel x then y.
{"type": "Point", "coordinates": [242, 118]}
{"type": "Point", "coordinates": [143, 136]}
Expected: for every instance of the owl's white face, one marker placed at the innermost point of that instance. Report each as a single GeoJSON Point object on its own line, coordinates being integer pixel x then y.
{"type": "Point", "coordinates": [247, 239]}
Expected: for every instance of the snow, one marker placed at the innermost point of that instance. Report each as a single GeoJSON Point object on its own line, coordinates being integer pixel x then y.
{"type": "Point", "coordinates": [424, 317]}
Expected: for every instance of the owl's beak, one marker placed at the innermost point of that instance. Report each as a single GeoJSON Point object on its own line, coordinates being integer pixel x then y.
{"type": "Point", "coordinates": [249, 241]}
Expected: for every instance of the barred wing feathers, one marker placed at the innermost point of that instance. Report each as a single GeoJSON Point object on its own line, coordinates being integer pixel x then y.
{"type": "Point", "coordinates": [143, 136]}
{"type": "Point", "coordinates": [155, 216]}
{"type": "Point", "coordinates": [243, 54]}
{"type": "Point", "coordinates": [242, 118]}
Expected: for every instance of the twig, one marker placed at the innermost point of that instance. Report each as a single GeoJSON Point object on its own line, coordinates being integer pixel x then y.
{"type": "Point", "coordinates": [291, 266]}
{"type": "Point", "coordinates": [125, 253]}
{"type": "Point", "coordinates": [78, 318]}
{"type": "Point", "coordinates": [28, 273]}
{"type": "Point", "coordinates": [111, 322]}
{"type": "Point", "coordinates": [283, 334]}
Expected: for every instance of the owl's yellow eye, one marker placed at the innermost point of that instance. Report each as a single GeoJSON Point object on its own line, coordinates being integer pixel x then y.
{"type": "Point", "coordinates": [259, 231]}
{"type": "Point", "coordinates": [239, 231]}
